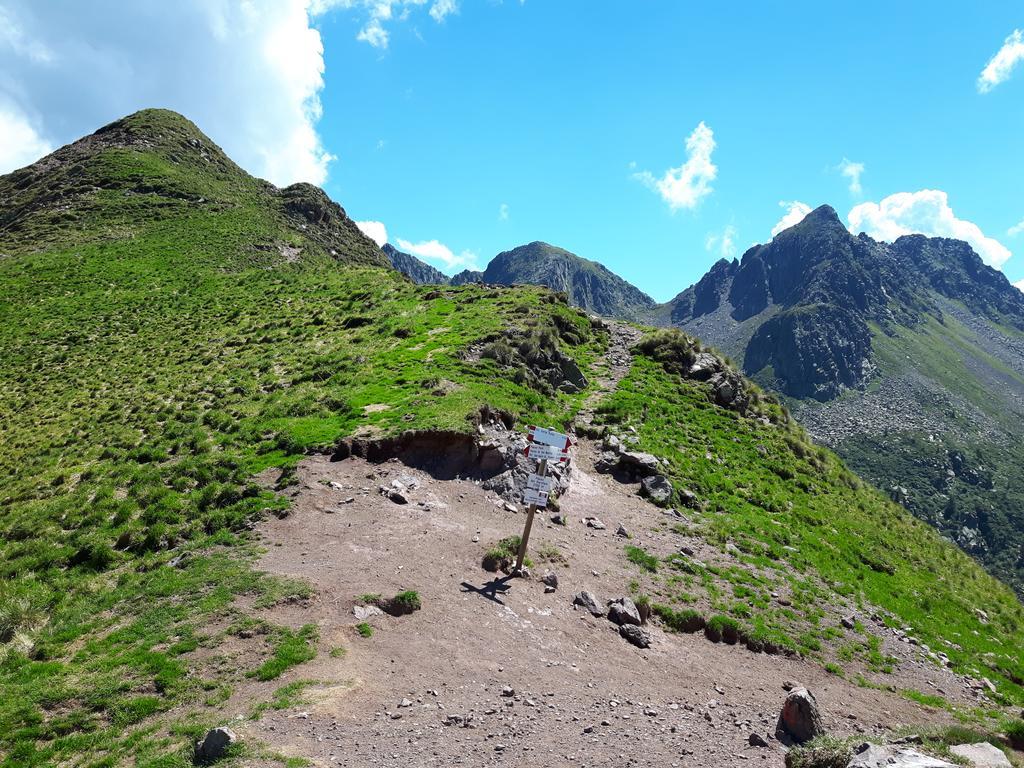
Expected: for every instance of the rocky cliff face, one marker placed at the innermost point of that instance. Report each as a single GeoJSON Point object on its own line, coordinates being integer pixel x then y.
{"type": "Point", "coordinates": [418, 271]}
{"type": "Point", "coordinates": [899, 355]}
{"type": "Point", "coordinates": [589, 285]}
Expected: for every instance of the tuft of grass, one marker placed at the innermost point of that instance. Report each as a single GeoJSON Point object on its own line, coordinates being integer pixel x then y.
{"type": "Point", "coordinates": [290, 649]}
{"type": "Point", "coordinates": [686, 620]}
{"type": "Point", "coordinates": [402, 604]}
{"type": "Point", "coordinates": [925, 699]}
{"type": "Point", "coordinates": [823, 752]}
{"type": "Point", "coordinates": [723, 629]}
{"type": "Point", "coordinates": [639, 556]}
{"type": "Point", "coordinates": [364, 629]}
{"type": "Point", "coordinates": [338, 652]}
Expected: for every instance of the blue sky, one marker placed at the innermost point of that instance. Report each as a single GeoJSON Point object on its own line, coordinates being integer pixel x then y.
{"type": "Point", "coordinates": [482, 125]}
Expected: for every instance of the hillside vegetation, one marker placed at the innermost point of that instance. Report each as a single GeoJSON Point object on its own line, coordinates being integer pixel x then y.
{"type": "Point", "coordinates": [170, 328]}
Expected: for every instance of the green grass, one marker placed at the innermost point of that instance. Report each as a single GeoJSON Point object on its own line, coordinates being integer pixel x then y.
{"type": "Point", "coordinates": [290, 649]}
{"type": "Point", "coordinates": [638, 556]}
{"type": "Point", "coordinates": [156, 353]}
{"type": "Point", "coordinates": [926, 699]}
{"type": "Point", "coordinates": [364, 629]}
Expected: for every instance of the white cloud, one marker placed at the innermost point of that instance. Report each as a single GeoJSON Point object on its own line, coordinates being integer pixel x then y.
{"type": "Point", "coordinates": [928, 213]}
{"type": "Point", "coordinates": [375, 230]}
{"type": "Point", "coordinates": [1016, 229]}
{"type": "Point", "coordinates": [442, 8]}
{"type": "Point", "coordinates": [1019, 284]}
{"type": "Point", "coordinates": [378, 14]}
{"type": "Point", "coordinates": [248, 72]}
{"type": "Point", "coordinates": [687, 185]}
{"type": "Point", "coordinates": [432, 250]}
{"type": "Point", "coordinates": [21, 144]}
{"type": "Point", "coordinates": [503, 212]}
{"type": "Point", "coordinates": [795, 213]}
{"type": "Point", "coordinates": [724, 243]}
{"type": "Point", "coordinates": [1000, 66]}
{"type": "Point", "coordinates": [852, 171]}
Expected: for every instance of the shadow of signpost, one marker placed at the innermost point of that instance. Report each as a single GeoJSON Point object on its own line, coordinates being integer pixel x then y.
{"type": "Point", "coordinates": [491, 589]}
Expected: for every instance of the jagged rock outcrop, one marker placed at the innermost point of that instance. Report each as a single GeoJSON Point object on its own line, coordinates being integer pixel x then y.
{"type": "Point", "coordinates": [418, 271]}
{"type": "Point", "coordinates": [897, 355]}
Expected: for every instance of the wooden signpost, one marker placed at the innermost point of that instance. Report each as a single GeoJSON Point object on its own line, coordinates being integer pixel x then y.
{"type": "Point", "coordinates": [545, 445]}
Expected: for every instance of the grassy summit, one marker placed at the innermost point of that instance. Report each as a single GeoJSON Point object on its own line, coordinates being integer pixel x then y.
{"type": "Point", "coordinates": [170, 327]}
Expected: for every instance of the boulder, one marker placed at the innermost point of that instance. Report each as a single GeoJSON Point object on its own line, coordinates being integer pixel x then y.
{"type": "Point", "coordinates": [550, 579]}
{"type": "Point", "coordinates": [704, 366]}
{"type": "Point", "coordinates": [214, 745]}
{"type": "Point", "coordinates": [638, 636]}
{"type": "Point", "coordinates": [623, 611]}
{"type": "Point", "coordinates": [588, 601]}
{"type": "Point", "coordinates": [800, 716]}
{"type": "Point", "coordinates": [657, 488]}
{"type": "Point", "coordinates": [875, 756]}
{"type": "Point", "coordinates": [642, 464]}
{"type": "Point", "coordinates": [981, 755]}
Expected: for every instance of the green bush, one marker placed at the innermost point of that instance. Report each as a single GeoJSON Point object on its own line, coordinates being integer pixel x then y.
{"type": "Point", "coordinates": [686, 620]}
{"type": "Point", "coordinates": [723, 628]}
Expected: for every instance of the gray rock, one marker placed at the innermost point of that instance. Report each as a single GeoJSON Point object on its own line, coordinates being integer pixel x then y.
{"type": "Point", "coordinates": [621, 531]}
{"type": "Point", "coordinates": [589, 602]}
{"type": "Point", "coordinates": [214, 745]}
{"type": "Point", "coordinates": [638, 636]}
{"type": "Point", "coordinates": [757, 740]}
{"type": "Point", "coordinates": [550, 579]}
{"type": "Point", "coordinates": [875, 756]}
{"type": "Point", "coordinates": [850, 622]}
{"type": "Point", "coordinates": [640, 463]}
{"type": "Point", "coordinates": [800, 716]}
{"type": "Point", "coordinates": [593, 522]}
{"type": "Point", "coordinates": [364, 612]}
{"type": "Point", "coordinates": [623, 611]}
{"type": "Point", "coordinates": [982, 755]}
{"type": "Point", "coordinates": [704, 367]}
{"type": "Point", "coordinates": [657, 488]}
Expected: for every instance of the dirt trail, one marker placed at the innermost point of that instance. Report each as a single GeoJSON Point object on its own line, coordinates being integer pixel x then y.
{"type": "Point", "coordinates": [619, 358]}
{"type": "Point", "coordinates": [583, 696]}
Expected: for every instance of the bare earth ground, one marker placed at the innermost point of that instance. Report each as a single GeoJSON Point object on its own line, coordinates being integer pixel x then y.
{"type": "Point", "coordinates": [583, 696]}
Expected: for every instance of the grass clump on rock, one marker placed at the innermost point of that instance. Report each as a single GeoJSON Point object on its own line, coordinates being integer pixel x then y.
{"type": "Point", "coordinates": [502, 556]}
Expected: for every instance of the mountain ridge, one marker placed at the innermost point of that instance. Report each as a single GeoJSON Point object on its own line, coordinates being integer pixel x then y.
{"type": "Point", "coordinates": [829, 318]}
{"type": "Point", "coordinates": [588, 284]}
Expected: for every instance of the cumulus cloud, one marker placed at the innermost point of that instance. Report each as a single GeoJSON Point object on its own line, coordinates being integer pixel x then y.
{"type": "Point", "coordinates": [248, 72]}
{"type": "Point", "coordinates": [439, 253]}
{"type": "Point", "coordinates": [852, 171]}
{"type": "Point", "coordinates": [1016, 229]}
{"type": "Point", "coordinates": [927, 213]}
{"type": "Point", "coordinates": [723, 243]}
{"type": "Point", "coordinates": [1001, 66]}
{"type": "Point", "coordinates": [795, 213]}
{"type": "Point", "coordinates": [503, 212]}
{"type": "Point", "coordinates": [21, 144]}
{"type": "Point", "coordinates": [687, 185]}
{"type": "Point", "coordinates": [375, 230]}
{"type": "Point", "coordinates": [378, 15]}
{"type": "Point", "coordinates": [1019, 284]}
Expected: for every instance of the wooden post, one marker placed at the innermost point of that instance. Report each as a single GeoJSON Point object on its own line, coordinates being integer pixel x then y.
{"type": "Point", "coordinates": [543, 472]}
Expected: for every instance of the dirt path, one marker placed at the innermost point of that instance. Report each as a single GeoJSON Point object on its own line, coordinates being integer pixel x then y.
{"type": "Point", "coordinates": [623, 338]}
{"type": "Point", "coordinates": [582, 695]}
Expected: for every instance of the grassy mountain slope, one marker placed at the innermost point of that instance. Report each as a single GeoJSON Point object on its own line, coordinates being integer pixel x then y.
{"type": "Point", "coordinates": [167, 333]}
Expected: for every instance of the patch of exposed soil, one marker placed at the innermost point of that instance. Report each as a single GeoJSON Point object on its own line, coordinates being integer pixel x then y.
{"type": "Point", "coordinates": [582, 695]}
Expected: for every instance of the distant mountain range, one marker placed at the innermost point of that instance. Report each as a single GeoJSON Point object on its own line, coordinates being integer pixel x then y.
{"type": "Point", "coordinates": [589, 285]}
{"type": "Point", "coordinates": [907, 358]}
